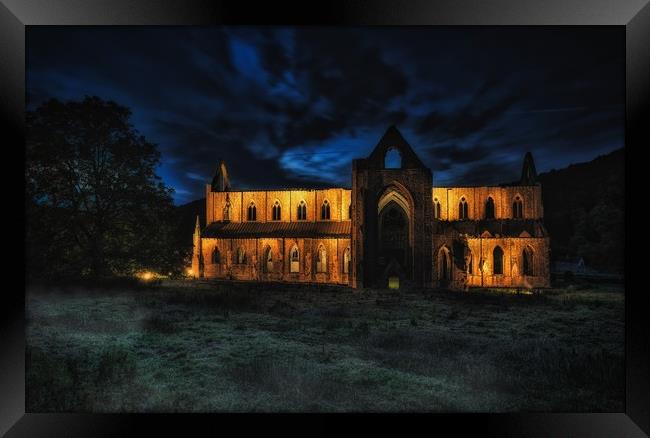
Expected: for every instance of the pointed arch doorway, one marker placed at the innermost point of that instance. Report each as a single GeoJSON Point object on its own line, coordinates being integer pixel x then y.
{"type": "Point", "coordinates": [395, 230]}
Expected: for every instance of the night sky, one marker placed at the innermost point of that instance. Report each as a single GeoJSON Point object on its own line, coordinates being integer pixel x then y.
{"type": "Point", "coordinates": [291, 107]}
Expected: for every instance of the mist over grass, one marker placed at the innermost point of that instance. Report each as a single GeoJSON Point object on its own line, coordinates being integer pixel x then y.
{"type": "Point", "coordinates": [205, 347]}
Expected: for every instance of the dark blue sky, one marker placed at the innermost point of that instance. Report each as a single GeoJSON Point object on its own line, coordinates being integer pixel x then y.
{"type": "Point", "coordinates": [291, 107]}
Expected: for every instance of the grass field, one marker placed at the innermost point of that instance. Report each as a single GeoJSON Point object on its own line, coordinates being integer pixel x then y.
{"type": "Point", "coordinates": [199, 347]}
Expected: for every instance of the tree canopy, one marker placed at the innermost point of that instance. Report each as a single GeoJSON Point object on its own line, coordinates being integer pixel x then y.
{"type": "Point", "coordinates": [95, 205]}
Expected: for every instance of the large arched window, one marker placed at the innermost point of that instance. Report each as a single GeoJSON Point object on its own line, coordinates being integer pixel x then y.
{"type": "Point", "coordinates": [527, 261]}
{"type": "Point", "coordinates": [252, 212]}
{"type": "Point", "coordinates": [489, 208]}
{"type": "Point", "coordinates": [241, 256]}
{"type": "Point", "coordinates": [302, 211]}
{"type": "Point", "coordinates": [294, 260]}
{"type": "Point", "coordinates": [321, 259]}
{"type": "Point", "coordinates": [268, 256]}
{"type": "Point", "coordinates": [216, 256]}
{"type": "Point", "coordinates": [226, 211]}
{"type": "Point", "coordinates": [497, 261]}
{"type": "Point", "coordinates": [277, 211]}
{"type": "Point", "coordinates": [462, 209]}
{"type": "Point", "coordinates": [517, 208]}
{"type": "Point", "coordinates": [325, 210]}
{"type": "Point", "coordinates": [392, 159]}
{"type": "Point", "coordinates": [436, 208]}
{"type": "Point", "coordinates": [346, 260]}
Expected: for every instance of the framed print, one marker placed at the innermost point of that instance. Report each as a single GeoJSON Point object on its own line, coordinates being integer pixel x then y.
{"type": "Point", "coordinates": [351, 208]}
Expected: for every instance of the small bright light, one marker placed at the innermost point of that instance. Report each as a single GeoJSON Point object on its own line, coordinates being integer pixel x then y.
{"type": "Point", "coordinates": [393, 282]}
{"type": "Point", "coordinates": [146, 275]}
{"type": "Point", "coordinates": [189, 271]}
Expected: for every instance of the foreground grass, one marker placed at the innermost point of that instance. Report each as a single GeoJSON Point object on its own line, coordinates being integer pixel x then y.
{"type": "Point", "coordinates": [235, 347]}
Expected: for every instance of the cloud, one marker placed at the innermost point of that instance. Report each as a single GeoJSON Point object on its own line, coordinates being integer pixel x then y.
{"type": "Point", "coordinates": [293, 106]}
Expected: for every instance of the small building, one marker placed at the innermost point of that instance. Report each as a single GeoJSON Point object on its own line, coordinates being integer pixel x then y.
{"type": "Point", "coordinates": [575, 265]}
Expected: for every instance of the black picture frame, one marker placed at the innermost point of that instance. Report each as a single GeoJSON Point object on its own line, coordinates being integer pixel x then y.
{"type": "Point", "coordinates": [15, 15]}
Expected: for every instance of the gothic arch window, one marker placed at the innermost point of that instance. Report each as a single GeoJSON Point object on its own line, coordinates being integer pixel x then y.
{"type": "Point", "coordinates": [277, 211]}
{"type": "Point", "coordinates": [241, 256]}
{"type": "Point", "coordinates": [436, 208]}
{"type": "Point", "coordinates": [268, 260]}
{"type": "Point", "coordinates": [302, 211]}
{"type": "Point", "coordinates": [325, 210]}
{"type": "Point", "coordinates": [489, 208]}
{"type": "Point", "coordinates": [497, 261]}
{"type": "Point", "coordinates": [462, 209]}
{"type": "Point", "coordinates": [392, 159]}
{"type": "Point", "coordinates": [294, 260]}
{"type": "Point", "coordinates": [444, 264]}
{"type": "Point", "coordinates": [226, 211]}
{"type": "Point", "coordinates": [517, 208]}
{"type": "Point", "coordinates": [346, 260]}
{"type": "Point", "coordinates": [527, 261]}
{"type": "Point", "coordinates": [321, 259]}
{"type": "Point", "coordinates": [216, 256]}
{"type": "Point", "coordinates": [252, 212]}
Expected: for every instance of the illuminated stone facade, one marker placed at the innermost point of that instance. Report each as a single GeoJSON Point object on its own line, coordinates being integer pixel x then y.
{"type": "Point", "coordinates": [392, 227]}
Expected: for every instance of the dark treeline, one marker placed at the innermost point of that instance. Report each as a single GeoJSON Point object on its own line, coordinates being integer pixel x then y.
{"type": "Point", "coordinates": [95, 207]}
{"type": "Point", "coordinates": [584, 211]}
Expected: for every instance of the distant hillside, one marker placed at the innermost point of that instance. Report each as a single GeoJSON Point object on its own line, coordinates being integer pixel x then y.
{"type": "Point", "coordinates": [584, 212]}
{"type": "Point", "coordinates": [185, 221]}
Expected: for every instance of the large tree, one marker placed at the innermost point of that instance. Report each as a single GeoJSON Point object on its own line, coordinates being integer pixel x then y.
{"type": "Point", "coordinates": [95, 206]}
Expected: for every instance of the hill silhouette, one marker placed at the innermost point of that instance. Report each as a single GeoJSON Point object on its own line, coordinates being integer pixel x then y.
{"type": "Point", "coordinates": [584, 211]}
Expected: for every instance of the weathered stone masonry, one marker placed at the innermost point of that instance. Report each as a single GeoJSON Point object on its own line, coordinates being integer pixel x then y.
{"type": "Point", "coordinates": [392, 226]}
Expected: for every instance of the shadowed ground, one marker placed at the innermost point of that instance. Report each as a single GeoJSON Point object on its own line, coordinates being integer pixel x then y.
{"type": "Point", "coordinates": [203, 347]}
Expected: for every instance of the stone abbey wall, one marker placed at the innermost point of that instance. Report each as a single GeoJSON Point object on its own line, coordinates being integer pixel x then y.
{"type": "Point", "coordinates": [474, 266]}
{"type": "Point", "coordinates": [339, 200]}
{"type": "Point", "coordinates": [477, 197]}
{"type": "Point", "coordinates": [393, 223]}
{"type": "Point", "coordinates": [256, 265]}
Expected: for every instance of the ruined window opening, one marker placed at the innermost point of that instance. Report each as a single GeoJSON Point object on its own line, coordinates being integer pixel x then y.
{"type": "Point", "coordinates": [517, 208]}
{"type": "Point", "coordinates": [462, 209]}
{"type": "Point", "coordinates": [216, 256]}
{"type": "Point", "coordinates": [252, 212]}
{"type": "Point", "coordinates": [321, 260]}
{"type": "Point", "coordinates": [302, 211]}
{"type": "Point", "coordinates": [346, 261]}
{"type": "Point", "coordinates": [436, 209]}
{"type": "Point", "coordinates": [294, 258]}
{"type": "Point", "coordinates": [497, 261]}
{"type": "Point", "coordinates": [393, 159]}
{"type": "Point", "coordinates": [527, 261]}
{"type": "Point", "coordinates": [489, 208]}
{"type": "Point", "coordinates": [445, 264]}
{"type": "Point", "coordinates": [241, 256]}
{"type": "Point", "coordinates": [277, 211]}
{"type": "Point", "coordinates": [325, 210]}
